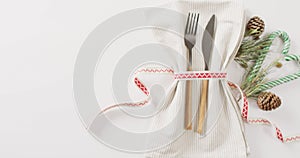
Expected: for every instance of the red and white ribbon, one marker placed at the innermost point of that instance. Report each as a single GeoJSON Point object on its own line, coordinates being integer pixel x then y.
{"type": "Point", "coordinates": [261, 121]}
{"type": "Point", "coordinates": [202, 75]}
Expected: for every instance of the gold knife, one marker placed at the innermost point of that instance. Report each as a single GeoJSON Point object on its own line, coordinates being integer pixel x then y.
{"type": "Point", "coordinates": [207, 47]}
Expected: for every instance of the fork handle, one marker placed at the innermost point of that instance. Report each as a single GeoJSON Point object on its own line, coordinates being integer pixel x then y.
{"type": "Point", "coordinates": [188, 105]}
{"type": "Point", "coordinates": [188, 94]}
{"type": "Point", "coordinates": [202, 106]}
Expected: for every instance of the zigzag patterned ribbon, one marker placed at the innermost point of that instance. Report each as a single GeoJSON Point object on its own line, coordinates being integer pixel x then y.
{"type": "Point", "coordinates": [245, 103]}
{"type": "Point", "coordinates": [260, 121]}
{"type": "Point", "coordinates": [201, 75]}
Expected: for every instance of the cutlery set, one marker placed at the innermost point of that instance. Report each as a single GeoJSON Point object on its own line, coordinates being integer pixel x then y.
{"type": "Point", "coordinates": [207, 46]}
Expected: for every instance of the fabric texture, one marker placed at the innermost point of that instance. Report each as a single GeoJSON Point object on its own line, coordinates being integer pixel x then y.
{"type": "Point", "coordinates": [224, 135]}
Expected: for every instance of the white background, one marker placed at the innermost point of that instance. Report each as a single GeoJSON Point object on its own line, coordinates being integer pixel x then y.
{"type": "Point", "coordinates": [39, 43]}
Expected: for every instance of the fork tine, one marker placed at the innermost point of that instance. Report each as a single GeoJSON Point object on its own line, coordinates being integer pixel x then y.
{"type": "Point", "coordinates": [187, 23]}
{"type": "Point", "coordinates": [192, 23]}
{"type": "Point", "coordinates": [196, 24]}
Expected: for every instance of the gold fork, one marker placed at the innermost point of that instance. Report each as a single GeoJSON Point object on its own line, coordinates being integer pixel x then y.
{"type": "Point", "coordinates": [190, 41]}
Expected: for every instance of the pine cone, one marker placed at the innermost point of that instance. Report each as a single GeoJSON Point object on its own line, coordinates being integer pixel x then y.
{"type": "Point", "coordinates": [268, 101]}
{"type": "Point", "coordinates": [256, 26]}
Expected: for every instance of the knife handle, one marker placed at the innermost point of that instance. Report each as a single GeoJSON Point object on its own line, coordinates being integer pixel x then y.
{"type": "Point", "coordinates": [188, 103]}
{"type": "Point", "coordinates": [202, 106]}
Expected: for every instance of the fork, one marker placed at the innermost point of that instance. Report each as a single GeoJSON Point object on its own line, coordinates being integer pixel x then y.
{"type": "Point", "coordinates": [190, 41]}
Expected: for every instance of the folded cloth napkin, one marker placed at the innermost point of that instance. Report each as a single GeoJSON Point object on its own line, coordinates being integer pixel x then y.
{"type": "Point", "coordinates": [224, 136]}
{"type": "Point", "coordinates": [167, 137]}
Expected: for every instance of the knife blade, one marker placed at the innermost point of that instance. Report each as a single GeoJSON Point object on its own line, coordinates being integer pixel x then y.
{"type": "Point", "coordinates": [207, 47]}
{"type": "Point", "coordinates": [208, 40]}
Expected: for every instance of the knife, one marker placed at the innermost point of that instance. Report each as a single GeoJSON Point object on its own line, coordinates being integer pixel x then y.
{"type": "Point", "coordinates": [207, 47]}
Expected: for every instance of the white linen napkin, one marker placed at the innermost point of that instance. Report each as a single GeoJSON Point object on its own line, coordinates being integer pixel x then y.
{"type": "Point", "coordinates": [224, 136]}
